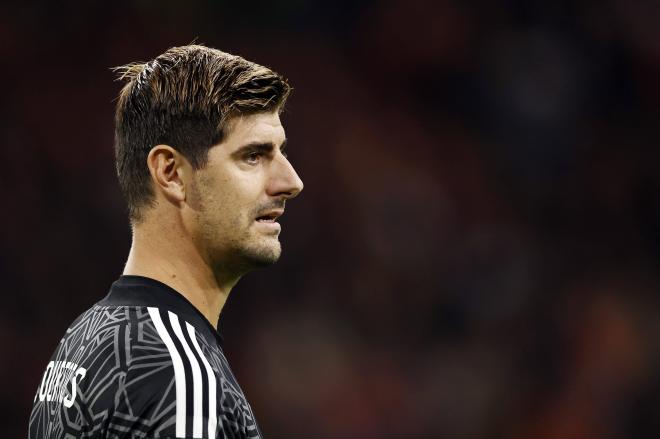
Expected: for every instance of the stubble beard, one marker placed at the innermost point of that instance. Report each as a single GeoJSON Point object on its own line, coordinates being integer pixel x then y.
{"type": "Point", "coordinates": [247, 251]}
{"type": "Point", "coordinates": [259, 249]}
{"type": "Point", "coordinates": [260, 254]}
{"type": "Point", "coordinates": [234, 246]}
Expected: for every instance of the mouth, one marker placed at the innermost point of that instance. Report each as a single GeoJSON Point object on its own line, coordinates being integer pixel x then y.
{"type": "Point", "coordinates": [269, 220]}
{"type": "Point", "coordinates": [270, 217]}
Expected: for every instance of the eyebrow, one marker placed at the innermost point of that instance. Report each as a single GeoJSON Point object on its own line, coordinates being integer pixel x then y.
{"type": "Point", "coordinates": [264, 147]}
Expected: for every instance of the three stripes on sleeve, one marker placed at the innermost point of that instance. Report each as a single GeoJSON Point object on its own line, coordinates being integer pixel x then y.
{"type": "Point", "coordinates": [170, 329]}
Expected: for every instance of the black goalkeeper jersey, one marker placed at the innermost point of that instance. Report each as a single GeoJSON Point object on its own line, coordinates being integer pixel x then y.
{"type": "Point", "coordinates": [141, 363]}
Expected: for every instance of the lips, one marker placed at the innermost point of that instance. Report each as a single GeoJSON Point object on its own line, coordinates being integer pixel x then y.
{"type": "Point", "coordinates": [270, 216]}
{"type": "Point", "coordinates": [268, 221]}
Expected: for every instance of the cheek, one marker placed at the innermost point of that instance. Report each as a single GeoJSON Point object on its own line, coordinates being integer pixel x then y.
{"type": "Point", "coordinates": [245, 191]}
{"type": "Point", "coordinates": [231, 200]}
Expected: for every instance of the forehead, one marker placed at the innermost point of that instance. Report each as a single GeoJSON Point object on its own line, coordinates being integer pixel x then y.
{"type": "Point", "coordinates": [254, 128]}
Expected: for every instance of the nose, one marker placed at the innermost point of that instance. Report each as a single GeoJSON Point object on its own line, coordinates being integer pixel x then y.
{"type": "Point", "coordinates": [285, 182]}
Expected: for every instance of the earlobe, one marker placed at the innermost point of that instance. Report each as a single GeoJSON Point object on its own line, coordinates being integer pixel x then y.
{"type": "Point", "coordinates": [165, 164]}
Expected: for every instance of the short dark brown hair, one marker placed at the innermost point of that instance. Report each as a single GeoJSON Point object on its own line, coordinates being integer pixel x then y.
{"type": "Point", "coordinates": [183, 98]}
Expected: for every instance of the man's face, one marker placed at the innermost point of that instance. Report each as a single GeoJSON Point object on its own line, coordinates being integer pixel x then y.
{"type": "Point", "coordinates": [237, 197]}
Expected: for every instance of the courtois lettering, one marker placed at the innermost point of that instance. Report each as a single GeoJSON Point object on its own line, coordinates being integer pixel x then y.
{"type": "Point", "coordinates": [60, 382]}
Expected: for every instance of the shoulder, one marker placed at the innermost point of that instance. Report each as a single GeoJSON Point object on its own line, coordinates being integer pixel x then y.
{"type": "Point", "coordinates": [170, 386]}
{"type": "Point", "coordinates": [76, 391]}
{"type": "Point", "coordinates": [180, 383]}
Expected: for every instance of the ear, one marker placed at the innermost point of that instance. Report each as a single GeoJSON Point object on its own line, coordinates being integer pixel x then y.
{"type": "Point", "coordinates": [167, 169]}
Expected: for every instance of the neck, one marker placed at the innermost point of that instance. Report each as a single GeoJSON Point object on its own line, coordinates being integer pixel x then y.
{"type": "Point", "coordinates": [178, 264]}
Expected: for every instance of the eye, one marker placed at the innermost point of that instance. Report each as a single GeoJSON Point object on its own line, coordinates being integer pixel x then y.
{"type": "Point", "coordinates": [253, 158]}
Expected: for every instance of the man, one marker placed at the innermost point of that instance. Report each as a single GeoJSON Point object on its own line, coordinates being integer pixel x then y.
{"type": "Point", "coordinates": [200, 159]}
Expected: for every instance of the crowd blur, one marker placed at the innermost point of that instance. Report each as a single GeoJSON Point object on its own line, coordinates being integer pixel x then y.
{"type": "Point", "coordinates": [475, 253]}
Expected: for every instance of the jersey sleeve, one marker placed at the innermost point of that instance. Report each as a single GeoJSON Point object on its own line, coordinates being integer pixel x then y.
{"type": "Point", "coordinates": [151, 398]}
{"type": "Point", "coordinates": [170, 389]}
{"type": "Point", "coordinates": [129, 371]}
{"type": "Point", "coordinates": [145, 399]}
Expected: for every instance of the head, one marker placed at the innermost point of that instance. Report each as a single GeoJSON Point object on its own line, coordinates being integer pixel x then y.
{"type": "Point", "coordinates": [199, 145]}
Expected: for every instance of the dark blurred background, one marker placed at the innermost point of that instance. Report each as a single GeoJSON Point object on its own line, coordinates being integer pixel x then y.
{"type": "Point", "coordinates": [474, 255]}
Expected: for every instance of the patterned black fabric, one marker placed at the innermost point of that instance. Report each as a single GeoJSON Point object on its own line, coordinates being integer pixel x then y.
{"type": "Point", "coordinates": [141, 363]}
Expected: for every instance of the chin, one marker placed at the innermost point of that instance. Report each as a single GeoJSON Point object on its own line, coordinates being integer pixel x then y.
{"type": "Point", "coordinates": [261, 256]}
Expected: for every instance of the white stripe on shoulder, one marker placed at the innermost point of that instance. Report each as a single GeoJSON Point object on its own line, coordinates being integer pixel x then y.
{"type": "Point", "coordinates": [213, 415]}
{"type": "Point", "coordinates": [179, 373]}
{"type": "Point", "coordinates": [198, 414]}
